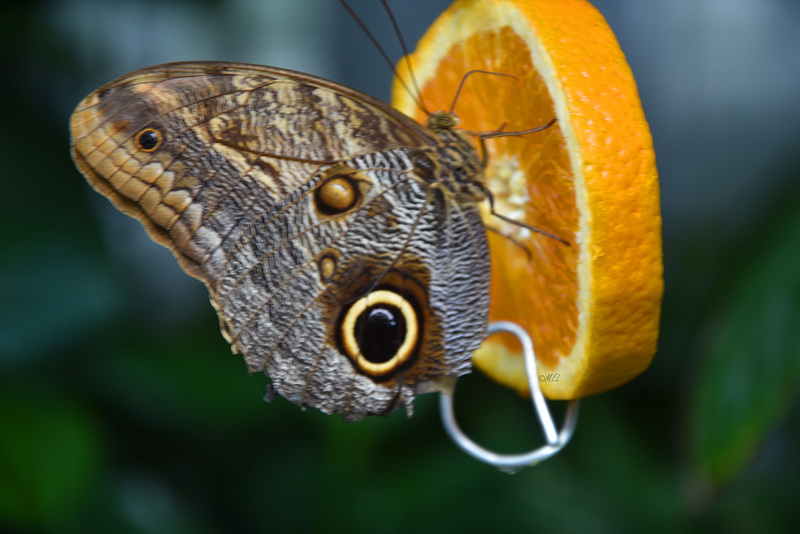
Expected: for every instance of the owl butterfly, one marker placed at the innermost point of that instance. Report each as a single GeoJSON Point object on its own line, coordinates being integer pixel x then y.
{"type": "Point", "coordinates": [340, 241]}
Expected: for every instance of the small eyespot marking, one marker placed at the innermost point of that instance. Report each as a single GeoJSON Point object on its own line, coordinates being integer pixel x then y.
{"type": "Point", "coordinates": [337, 195]}
{"type": "Point", "coordinates": [149, 139]}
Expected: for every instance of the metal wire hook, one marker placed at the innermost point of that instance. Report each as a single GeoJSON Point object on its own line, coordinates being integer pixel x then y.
{"type": "Point", "coordinates": [511, 463]}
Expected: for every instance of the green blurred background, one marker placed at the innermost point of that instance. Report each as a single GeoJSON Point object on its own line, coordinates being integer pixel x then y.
{"type": "Point", "coordinates": [122, 409]}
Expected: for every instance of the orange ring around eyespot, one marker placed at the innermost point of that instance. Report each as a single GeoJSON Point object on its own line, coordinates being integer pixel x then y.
{"type": "Point", "coordinates": [158, 141]}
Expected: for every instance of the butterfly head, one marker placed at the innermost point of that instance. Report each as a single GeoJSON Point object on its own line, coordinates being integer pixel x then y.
{"type": "Point", "coordinates": [443, 120]}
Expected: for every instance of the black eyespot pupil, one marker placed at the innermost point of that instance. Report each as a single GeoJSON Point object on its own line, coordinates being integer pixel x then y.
{"type": "Point", "coordinates": [380, 331]}
{"type": "Point", "coordinates": [148, 139]}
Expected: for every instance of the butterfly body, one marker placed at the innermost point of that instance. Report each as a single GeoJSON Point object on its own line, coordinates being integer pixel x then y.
{"type": "Point", "coordinates": [340, 241]}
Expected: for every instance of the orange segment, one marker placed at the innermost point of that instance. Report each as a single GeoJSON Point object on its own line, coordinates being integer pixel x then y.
{"type": "Point", "coordinates": [592, 308]}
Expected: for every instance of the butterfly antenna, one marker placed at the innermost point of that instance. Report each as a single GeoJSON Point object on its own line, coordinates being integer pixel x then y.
{"type": "Point", "coordinates": [470, 73]}
{"type": "Point", "coordinates": [417, 94]}
{"type": "Point", "coordinates": [380, 49]}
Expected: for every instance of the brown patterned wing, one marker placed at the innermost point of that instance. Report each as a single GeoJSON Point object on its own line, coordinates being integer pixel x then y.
{"type": "Point", "coordinates": [310, 212]}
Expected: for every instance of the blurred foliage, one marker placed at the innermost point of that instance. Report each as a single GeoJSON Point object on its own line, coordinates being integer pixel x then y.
{"type": "Point", "coordinates": [122, 410]}
{"type": "Point", "coordinates": [752, 368]}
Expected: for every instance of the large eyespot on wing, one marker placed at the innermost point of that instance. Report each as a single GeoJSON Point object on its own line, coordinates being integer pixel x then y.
{"type": "Point", "coordinates": [381, 320]}
{"type": "Point", "coordinates": [380, 333]}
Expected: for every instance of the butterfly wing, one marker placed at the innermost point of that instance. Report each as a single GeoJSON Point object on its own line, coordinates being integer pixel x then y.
{"type": "Point", "coordinates": [308, 210]}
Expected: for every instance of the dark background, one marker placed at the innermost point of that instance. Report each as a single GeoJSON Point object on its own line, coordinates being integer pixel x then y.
{"type": "Point", "coordinates": [122, 409]}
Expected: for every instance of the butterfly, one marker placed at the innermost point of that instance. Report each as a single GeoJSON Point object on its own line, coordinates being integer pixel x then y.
{"type": "Point", "coordinates": [340, 241]}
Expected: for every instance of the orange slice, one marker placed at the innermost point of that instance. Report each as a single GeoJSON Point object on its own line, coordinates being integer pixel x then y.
{"type": "Point", "coordinates": [592, 307]}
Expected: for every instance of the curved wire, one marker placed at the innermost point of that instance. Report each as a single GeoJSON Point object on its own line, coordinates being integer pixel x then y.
{"type": "Point", "coordinates": [511, 463]}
